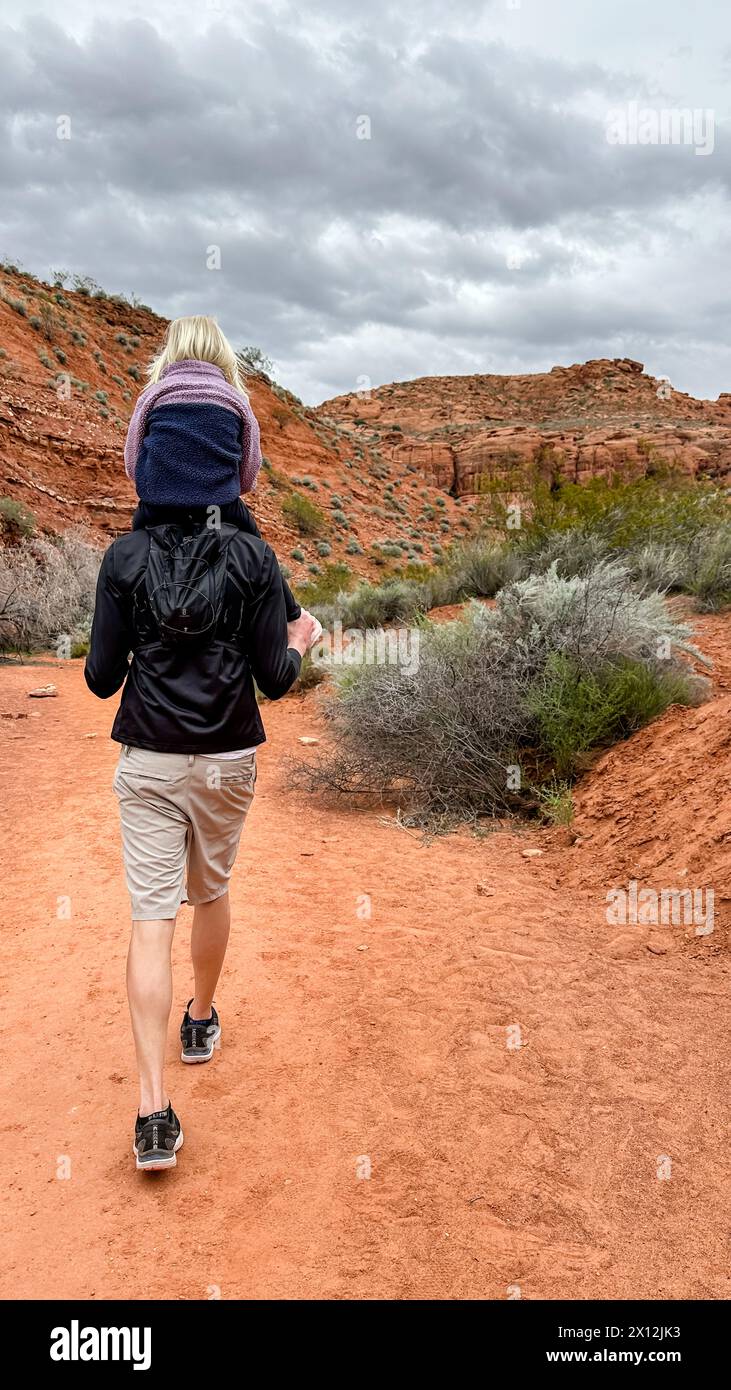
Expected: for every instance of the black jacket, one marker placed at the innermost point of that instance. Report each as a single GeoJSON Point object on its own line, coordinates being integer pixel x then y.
{"type": "Point", "coordinates": [181, 700]}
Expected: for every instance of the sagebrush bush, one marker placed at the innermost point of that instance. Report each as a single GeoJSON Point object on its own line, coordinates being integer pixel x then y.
{"type": "Point", "coordinates": [707, 573]}
{"type": "Point", "coordinates": [558, 666]}
{"type": "Point", "coordinates": [47, 590]}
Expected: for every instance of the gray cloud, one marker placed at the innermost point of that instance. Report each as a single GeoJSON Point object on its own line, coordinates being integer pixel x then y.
{"type": "Point", "coordinates": [487, 224]}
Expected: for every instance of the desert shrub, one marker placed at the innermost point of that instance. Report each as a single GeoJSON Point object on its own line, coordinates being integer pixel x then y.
{"type": "Point", "coordinates": [595, 618]}
{"type": "Point", "coordinates": [558, 666]}
{"type": "Point", "coordinates": [47, 590]}
{"type": "Point", "coordinates": [340, 519]}
{"type": "Point", "coordinates": [277, 479]}
{"type": "Point", "coordinates": [658, 566]}
{"type": "Point", "coordinates": [101, 396]}
{"type": "Point", "coordinates": [252, 359]}
{"type": "Point", "coordinates": [303, 514]}
{"type": "Point", "coordinates": [35, 322]}
{"type": "Point", "coordinates": [334, 579]}
{"type": "Point", "coordinates": [671, 535]}
{"type": "Point", "coordinates": [323, 548]}
{"type": "Point", "coordinates": [576, 710]}
{"type": "Point", "coordinates": [441, 738]}
{"type": "Point", "coordinates": [573, 552]}
{"type": "Point", "coordinates": [353, 548]}
{"type": "Point", "coordinates": [134, 372]}
{"type": "Point", "coordinates": [16, 520]}
{"type": "Point", "coordinates": [297, 554]}
{"type": "Point", "coordinates": [484, 567]}
{"type": "Point", "coordinates": [555, 801]}
{"type": "Point", "coordinates": [625, 515]}
{"type": "Point", "coordinates": [707, 574]}
{"type": "Point", "coordinates": [310, 676]}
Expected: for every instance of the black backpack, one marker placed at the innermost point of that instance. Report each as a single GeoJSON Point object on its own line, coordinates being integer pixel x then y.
{"type": "Point", "coordinates": [186, 581]}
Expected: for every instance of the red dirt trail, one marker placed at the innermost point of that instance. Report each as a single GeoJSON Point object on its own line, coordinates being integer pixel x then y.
{"type": "Point", "coordinates": [351, 1041]}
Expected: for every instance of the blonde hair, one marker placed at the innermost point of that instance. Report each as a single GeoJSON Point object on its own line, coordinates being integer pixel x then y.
{"type": "Point", "coordinates": [197, 338]}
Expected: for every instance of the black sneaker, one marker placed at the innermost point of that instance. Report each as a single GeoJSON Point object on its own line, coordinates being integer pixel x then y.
{"type": "Point", "coordinates": [199, 1039]}
{"type": "Point", "coordinates": [157, 1140]}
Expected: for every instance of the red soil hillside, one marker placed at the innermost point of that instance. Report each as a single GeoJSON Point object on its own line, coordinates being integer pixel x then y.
{"type": "Point", "coordinates": [575, 422]}
{"type": "Point", "coordinates": [655, 809]}
{"type": "Point", "coordinates": [71, 366]}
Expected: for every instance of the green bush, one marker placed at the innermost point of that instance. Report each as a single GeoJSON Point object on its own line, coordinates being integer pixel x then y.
{"type": "Point", "coordinates": [555, 801]}
{"type": "Point", "coordinates": [303, 514]}
{"type": "Point", "coordinates": [624, 515]}
{"type": "Point", "coordinates": [16, 520]}
{"type": "Point", "coordinates": [707, 574]}
{"type": "Point", "coordinates": [335, 579]}
{"type": "Point", "coordinates": [576, 710]}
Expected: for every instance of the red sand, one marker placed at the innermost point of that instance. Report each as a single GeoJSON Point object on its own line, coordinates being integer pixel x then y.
{"type": "Point", "coordinates": [347, 1039]}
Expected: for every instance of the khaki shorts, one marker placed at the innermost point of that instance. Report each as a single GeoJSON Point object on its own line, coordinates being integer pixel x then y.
{"type": "Point", "coordinates": [180, 812]}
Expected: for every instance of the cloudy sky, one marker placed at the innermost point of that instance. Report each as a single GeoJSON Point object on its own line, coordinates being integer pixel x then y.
{"type": "Point", "coordinates": [393, 189]}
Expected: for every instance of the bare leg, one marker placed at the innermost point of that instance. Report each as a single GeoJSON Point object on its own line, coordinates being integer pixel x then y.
{"type": "Point", "coordinates": [150, 994]}
{"type": "Point", "coordinates": [208, 942]}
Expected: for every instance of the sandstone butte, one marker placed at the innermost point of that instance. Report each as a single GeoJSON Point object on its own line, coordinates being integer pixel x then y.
{"type": "Point", "coordinates": [397, 475]}
{"type": "Point", "coordinates": [592, 419]}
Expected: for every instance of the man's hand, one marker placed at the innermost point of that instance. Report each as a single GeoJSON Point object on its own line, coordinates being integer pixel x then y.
{"type": "Point", "coordinates": [303, 632]}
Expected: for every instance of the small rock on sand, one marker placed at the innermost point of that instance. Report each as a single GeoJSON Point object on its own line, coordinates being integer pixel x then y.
{"type": "Point", "coordinates": [627, 944]}
{"type": "Point", "coordinates": [660, 942]}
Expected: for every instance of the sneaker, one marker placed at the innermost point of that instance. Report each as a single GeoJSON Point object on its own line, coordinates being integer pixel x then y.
{"type": "Point", "coordinates": [199, 1039]}
{"type": "Point", "coordinates": [157, 1140]}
